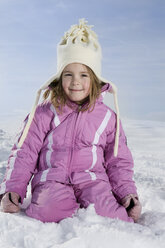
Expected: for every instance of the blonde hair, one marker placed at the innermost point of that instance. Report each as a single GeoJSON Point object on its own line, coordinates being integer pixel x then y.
{"type": "Point", "coordinates": [59, 99]}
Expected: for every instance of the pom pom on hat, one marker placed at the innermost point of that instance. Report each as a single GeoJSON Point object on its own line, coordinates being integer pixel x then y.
{"type": "Point", "coordinates": [78, 45]}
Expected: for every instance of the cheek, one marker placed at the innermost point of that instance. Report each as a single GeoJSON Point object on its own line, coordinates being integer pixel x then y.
{"type": "Point", "coordinates": [65, 85]}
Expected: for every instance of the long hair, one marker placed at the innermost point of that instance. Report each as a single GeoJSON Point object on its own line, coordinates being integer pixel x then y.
{"type": "Point", "coordinates": [59, 99]}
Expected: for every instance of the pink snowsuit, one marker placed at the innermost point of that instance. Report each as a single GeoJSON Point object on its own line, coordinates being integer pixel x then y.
{"type": "Point", "coordinates": [69, 157]}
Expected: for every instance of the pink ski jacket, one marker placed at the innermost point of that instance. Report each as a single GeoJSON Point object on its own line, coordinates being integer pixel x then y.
{"type": "Point", "coordinates": [72, 147]}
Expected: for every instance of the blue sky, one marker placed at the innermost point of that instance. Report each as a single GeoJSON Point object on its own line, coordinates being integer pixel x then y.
{"type": "Point", "coordinates": [132, 36]}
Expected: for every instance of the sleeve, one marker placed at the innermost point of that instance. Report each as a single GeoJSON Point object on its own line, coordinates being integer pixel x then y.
{"type": "Point", "coordinates": [119, 169]}
{"type": "Point", "coordinates": [22, 161]}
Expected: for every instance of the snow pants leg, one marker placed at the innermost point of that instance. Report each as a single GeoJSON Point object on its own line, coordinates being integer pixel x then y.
{"type": "Point", "coordinates": [99, 193]}
{"type": "Point", "coordinates": [52, 202]}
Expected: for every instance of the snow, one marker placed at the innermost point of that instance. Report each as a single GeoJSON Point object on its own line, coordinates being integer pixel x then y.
{"type": "Point", "coordinates": [146, 140]}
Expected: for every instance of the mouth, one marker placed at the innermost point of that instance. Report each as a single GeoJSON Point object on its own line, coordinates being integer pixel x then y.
{"type": "Point", "coordinates": [75, 90]}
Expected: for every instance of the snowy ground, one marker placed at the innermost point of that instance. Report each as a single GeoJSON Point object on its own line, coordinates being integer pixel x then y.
{"type": "Point", "coordinates": [87, 230]}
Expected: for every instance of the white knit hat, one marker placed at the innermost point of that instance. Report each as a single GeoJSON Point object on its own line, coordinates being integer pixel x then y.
{"type": "Point", "coordinates": [79, 45]}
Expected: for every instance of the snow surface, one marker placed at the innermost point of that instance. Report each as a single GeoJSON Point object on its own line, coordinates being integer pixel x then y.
{"type": "Point", "coordinates": [146, 140]}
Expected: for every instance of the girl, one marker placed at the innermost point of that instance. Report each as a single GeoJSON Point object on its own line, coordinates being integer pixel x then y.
{"type": "Point", "coordinates": [72, 144]}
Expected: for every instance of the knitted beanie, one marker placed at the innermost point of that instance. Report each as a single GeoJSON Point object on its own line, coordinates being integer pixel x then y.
{"type": "Point", "coordinates": [79, 45]}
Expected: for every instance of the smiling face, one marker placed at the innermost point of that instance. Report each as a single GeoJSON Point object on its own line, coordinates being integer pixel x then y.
{"type": "Point", "coordinates": [76, 82]}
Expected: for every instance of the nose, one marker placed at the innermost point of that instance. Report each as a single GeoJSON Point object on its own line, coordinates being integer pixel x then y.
{"type": "Point", "coordinates": [75, 81]}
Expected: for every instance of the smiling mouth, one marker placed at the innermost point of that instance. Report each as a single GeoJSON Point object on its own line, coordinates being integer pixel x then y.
{"type": "Point", "coordinates": [75, 90]}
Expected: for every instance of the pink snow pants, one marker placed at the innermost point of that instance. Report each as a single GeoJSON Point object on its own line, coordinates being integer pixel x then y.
{"type": "Point", "coordinates": [54, 201]}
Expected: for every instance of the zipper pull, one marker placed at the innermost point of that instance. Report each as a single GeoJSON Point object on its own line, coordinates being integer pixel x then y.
{"type": "Point", "coordinates": [79, 108]}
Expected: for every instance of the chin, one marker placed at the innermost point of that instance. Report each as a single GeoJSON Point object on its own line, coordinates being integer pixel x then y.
{"type": "Point", "coordinates": [77, 100]}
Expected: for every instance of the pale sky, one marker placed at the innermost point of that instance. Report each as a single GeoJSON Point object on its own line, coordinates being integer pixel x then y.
{"type": "Point", "coordinates": [132, 36]}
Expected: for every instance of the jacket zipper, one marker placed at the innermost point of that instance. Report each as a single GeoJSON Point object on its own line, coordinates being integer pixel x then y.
{"type": "Point", "coordinates": [74, 129]}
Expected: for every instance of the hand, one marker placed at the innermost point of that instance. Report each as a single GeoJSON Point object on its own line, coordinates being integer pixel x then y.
{"type": "Point", "coordinates": [132, 205]}
{"type": "Point", "coordinates": [10, 202]}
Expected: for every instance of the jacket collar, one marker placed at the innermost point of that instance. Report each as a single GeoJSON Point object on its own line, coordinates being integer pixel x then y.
{"type": "Point", "coordinates": [104, 90]}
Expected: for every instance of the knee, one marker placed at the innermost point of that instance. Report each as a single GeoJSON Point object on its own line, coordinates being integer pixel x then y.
{"type": "Point", "coordinates": [52, 212]}
{"type": "Point", "coordinates": [52, 202]}
{"type": "Point", "coordinates": [112, 209]}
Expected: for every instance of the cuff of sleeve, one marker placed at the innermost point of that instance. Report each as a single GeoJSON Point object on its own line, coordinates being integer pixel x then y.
{"type": "Point", "coordinates": [121, 195]}
{"type": "Point", "coordinates": [21, 192]}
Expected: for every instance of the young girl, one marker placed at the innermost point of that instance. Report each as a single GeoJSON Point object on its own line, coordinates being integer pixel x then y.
{"type": "Point", "coordinates": [73, 145]}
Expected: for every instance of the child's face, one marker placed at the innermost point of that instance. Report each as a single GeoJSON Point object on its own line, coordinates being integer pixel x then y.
{"type": "Point", "coordinates": [76, 81]}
